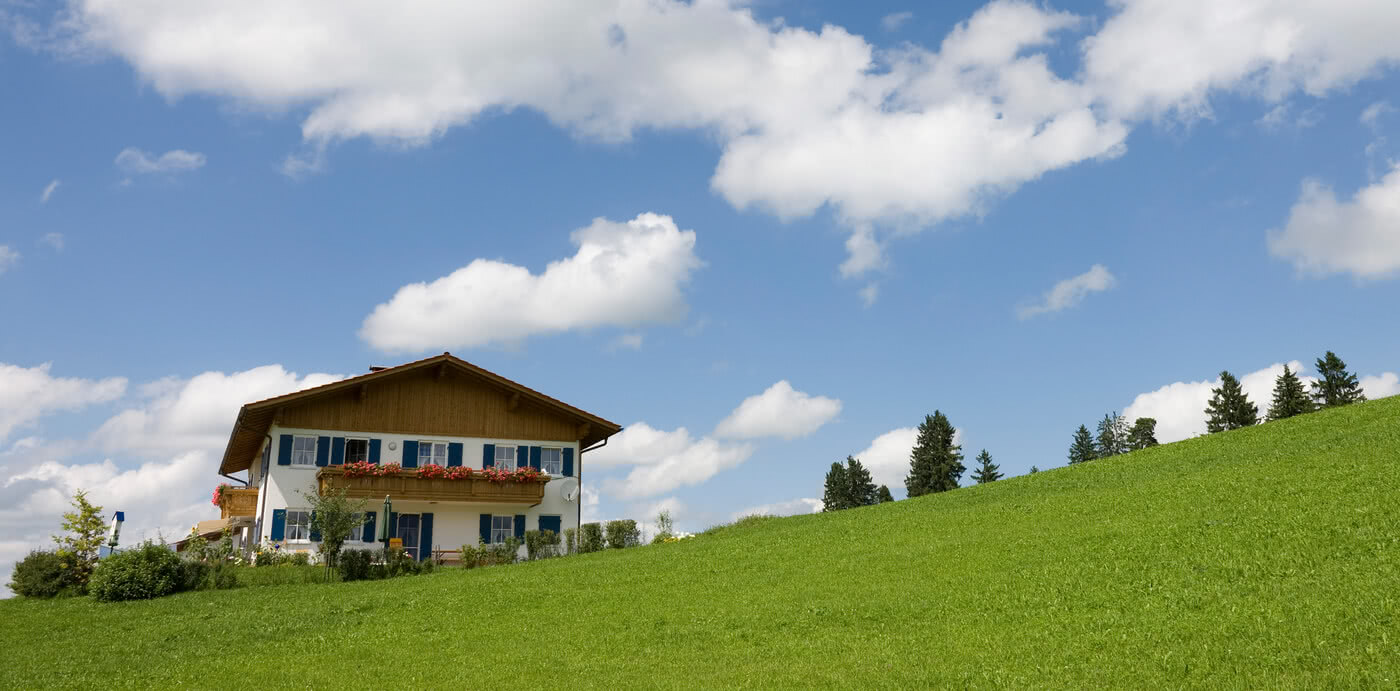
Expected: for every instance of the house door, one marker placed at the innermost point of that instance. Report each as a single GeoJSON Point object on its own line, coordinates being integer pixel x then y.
{"type": "Point", "coordinates": [408, 532]}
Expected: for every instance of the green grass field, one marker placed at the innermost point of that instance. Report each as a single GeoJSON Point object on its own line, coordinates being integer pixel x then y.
{"type": "Point", "coordinates": [1262, 558]}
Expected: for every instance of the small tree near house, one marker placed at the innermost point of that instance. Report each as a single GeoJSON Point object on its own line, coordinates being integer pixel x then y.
{"type": "Point", "coordinates": [334, 516]}
{"type": "Point", "coordinates": [84, 533]}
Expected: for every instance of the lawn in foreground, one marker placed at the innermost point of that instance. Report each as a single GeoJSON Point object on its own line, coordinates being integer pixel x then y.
{"type": "Point", "coordinates": [1263, 557]}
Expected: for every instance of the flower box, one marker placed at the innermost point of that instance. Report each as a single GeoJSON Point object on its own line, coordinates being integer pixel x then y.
{"type": "Point", "coordinates": [406, 484]}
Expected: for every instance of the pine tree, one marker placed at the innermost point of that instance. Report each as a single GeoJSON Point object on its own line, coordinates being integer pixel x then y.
{"type": "Point", "coordinates": [1113, 435]}
{"type": "Point", "coordinates": [1034, 470]}
{"type": "Point", "coordinates": [837, 488]}
{"type": "Point", "coordinates": [935, 463]}
{"type": "Point", "coordinates": [1082, 448]}
{"type": "Point", "coordinates": [986, 470]}
{"type": "Point", "coordinates": [1229, 408]}
{"type": "Point", "coordinates": [1290, 397]}
{"type": "Point", "coordinates": [883, 494]}
{"type": "Point", "coordinates": [860, 487]}
{"type": "Point", "coordinates": [1143, 434]}
{"type": "Point", "coordinates": [1335, 385]}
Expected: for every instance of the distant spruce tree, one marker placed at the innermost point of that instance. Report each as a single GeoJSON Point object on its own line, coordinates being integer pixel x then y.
{"type": "Point", "coordinates": [860, 487]}
{"type": "Point", "coordinates": [1290, 396]}
{"type": "Point", "coordinates": [883, 494]}
{"type": "Point", "coordinates": [986, 471]}
{"type": "Point", "coordinates": [1335, 385]}
{"type": "Point", "coordinates": [935, 463]}
{"type": "Point", "coordinates": [1143, 434]}
{"type": "Point", "coordinates": [1229, 408]}
{"type": "Point", "coordinates": [1113, 435]}
{"type": "Point", "coordinates": [1034, 470]}
{"type": "Point", "coordinates": [836, 490]}
{"type": "Point", "coordinates": [1082, 450]}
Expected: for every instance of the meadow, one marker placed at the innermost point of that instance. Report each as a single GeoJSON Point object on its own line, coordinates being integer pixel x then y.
{"type": "Point", "coordinates": [1263, 557]}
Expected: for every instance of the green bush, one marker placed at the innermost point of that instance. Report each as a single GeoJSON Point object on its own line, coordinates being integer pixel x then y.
{"type": "Point", "coordinates": [354, 564]}
{"type": "Point", "coordinates": [571, 541]}
{"type": "Point", "coordinates": [42, 574]}
{"type": "Point", "coordinates": [300, 559]}
{"type": "Point", "coordinates": [590, 538]}
{"type": "Point", "coordinates": [541, 544]}
{"type": "Point", "coordinates": [285, 575]}
{"type": "Point", "coordinates": [194, 575]}
{"type": "Point", "coordinates": [623, 533]}
{"type": "Point", "coordinates": [224, 576]}
{"type": "Point", "coordinates": [142, 573]}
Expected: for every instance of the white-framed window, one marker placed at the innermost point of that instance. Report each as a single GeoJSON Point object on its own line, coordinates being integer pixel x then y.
{"type": "Point", "coordinates": [552, 461]}
{"type": "Point", "coordinates": [303, 450]}
{"type": "Point", "coordinates": [298, 525]}
{"type": "Point", "coordinates": [356, 450]}
{"type": "Point", "coordinates": [432, 453]}
{"type": "Point", "coordinates": [505, 457]}
{"type": "Point", "coordinates": [502, 527]}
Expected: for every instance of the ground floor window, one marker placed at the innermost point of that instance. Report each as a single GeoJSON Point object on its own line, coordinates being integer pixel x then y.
{"type": "Point", "coordinates": [408, 532]}
{"type": "Point", "coordinates": [502, 527]}
{"type": "Point", "coordinates": [298, 525]}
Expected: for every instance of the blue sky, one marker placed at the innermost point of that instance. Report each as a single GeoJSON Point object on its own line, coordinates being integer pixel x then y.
{"type": "Point", "coordinates": [186, 225]}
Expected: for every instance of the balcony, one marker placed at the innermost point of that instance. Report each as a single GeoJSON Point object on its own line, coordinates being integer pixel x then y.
{"type": "Point", "coordinates": [239, 502]}
{"type": "Point", "coordinates": [409, 486]}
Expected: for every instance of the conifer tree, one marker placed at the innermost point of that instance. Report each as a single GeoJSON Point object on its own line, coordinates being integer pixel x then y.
{"type": "Point", "coordinates": [1034, 470]}
{"type": "Point", "coordinates": [834, 494]}
{"type": "Point", "coordinates": [1143, 434]}
{"type": "Point", "coordinates": [1113, 435]}
{"type": "Point", "coordinates": [986, 471]}
{"type": "Point", "coordinates": [1082, 449]}
{"type": "Point", "coordinates": [1335, 385]}
{"type": "Point", "coordinates": [1290, 397]}
{"type": "Point", "coordinates": [883, 495]}
{"type": "Point", "coordinates": [1229, 408]}
{"type": "Point", "coordinates": [935, 463]}
{"type": "Point", "coordinates": [860, 487]}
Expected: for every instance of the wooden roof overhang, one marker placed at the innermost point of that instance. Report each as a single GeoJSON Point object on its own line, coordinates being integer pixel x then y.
{"type": "Point", "coordinates": [255, 419]}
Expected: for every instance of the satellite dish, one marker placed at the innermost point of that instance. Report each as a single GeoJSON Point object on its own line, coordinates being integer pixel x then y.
{"type": "Point", "coordinates": [568, 488]}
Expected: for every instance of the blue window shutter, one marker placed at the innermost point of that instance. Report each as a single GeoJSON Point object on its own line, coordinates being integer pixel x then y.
{"type": "Point", "coordinates": [394, 524]}
{"type": "Point", "coordinates": [284, 450]}
{"type": "Point", "coordinates": [550, 523]}
{"type": "Point", "coordinates": [519, 526]}
{"type": "Point", "coordinates": [486, 527]}
{"type": "Point", "coordinates": [454, 454]}
{"type": "Point", "coordinates": [279, 525]}
{"type": "Point", "coordinates": [315, 534]}
{"type": "Point", "coordinates": [568, 462]}
{"type": "Point", "coordinates": [368, 534]}
{"type": "Point", "coordinates": [535, 454]}
{"type": "Point", "coordinates": [522, 456]}
{"type": "Point", "coordinates": [323, 451]}
{"type": "Point", "coordinates": [374, 451]}
{"type": "Point", "coordinates": [488, 460]}
{"type": "Point", "coordinates": [338, 451]}
{"type": "Point", "coordinates": [410, 454]}
{"type": "Point", "coordinates": [425, 537]}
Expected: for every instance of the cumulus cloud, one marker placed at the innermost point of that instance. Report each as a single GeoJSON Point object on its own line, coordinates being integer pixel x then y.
{"type": "Point", "coordinates": [623, 274]}
{"type": "Point", "coordinates": [662, 461]}
{"type": "Point", "coordinates": [791, 507]}
{"type": "Point", "coordinates": [8, 258]}
{"type": "Point", "coordinates": [1070, 292]}
{"type": "Point", "coordinates": [1372, 114]}
{"type": "Point", "coordinates": [1360, 236]}
{"type": "Point", "coordinates": [136, 161]}
{"type": "Point", "coordinates": [49, 189]}
{"type": "Point", "coordinates": [1381, 385]}
{"type": "Point", "coordinates": [869, 294]}
{"type": "Point", "coordinates": [894, 20]}
{"type": "Point", "coordinates": [887, 457]}
{"type": "Point", "coordinates": [780, 411]}
{"type": "Point", "coordinates": [29, 393]}
{"type": "Point", "coordinates": [54, 240]}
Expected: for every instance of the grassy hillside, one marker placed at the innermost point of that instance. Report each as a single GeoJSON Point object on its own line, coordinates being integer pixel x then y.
{"type": "Point", "coordinates": [1265, 557]}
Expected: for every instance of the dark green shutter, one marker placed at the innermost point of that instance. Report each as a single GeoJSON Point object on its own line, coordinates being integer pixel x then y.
{"type": "Point", "coordinates": [374, 451]}
{"type": "Point", "coordinates": [338, 451]}
{"type": "Point", "coordinates": [535, 454]}
{"type": "Point", "coordinates": [410, 454]}
{"type": "Point", "coordinates": [279, 525]}
{"type": "Point", "coordinates": [568, 462]}
{"type": "Point", "coordinates": [454, 454]}
{"type": "Point", "coordinates": [486, 527]}
{"type": "Point", "coordinates": [323, 451]}
{"type": "Point", "coordinates": [425, 537]}
{"type": "Point", "coordinates": [520, 526]}
{"type": "Point", "coordinates": [522, 456]}
{"type": "Point", "coordinates": [315, 534]}
{"type": "Point", "coordinates": [284, 450]}
{"type": "Point", "coordinates": [368, 534]}
{"type": "Point", "coordinates": [550, 523]}
{"type": "Point", "coordinates": [488, 457]}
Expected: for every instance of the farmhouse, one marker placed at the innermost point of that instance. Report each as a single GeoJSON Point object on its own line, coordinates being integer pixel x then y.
{"type": "Point", "coordinates": [450, 443]}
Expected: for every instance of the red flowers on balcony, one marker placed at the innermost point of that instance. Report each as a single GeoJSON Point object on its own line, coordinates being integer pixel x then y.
{"type": "Point", "coordinates": [437, 472]}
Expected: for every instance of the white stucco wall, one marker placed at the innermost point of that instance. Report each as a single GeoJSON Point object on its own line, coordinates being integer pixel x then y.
{"type": "Point", "coordinates": [454, 523]}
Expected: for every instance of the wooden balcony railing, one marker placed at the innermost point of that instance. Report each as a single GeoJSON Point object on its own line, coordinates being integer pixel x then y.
{"type": "Point", "coordinates": [241, 501]}
{"type": "Point", "coordinates": [409, 486]}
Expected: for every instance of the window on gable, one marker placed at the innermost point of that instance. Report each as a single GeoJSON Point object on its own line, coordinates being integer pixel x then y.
{"type": "Point", "coordinates": [356, 450]}
{"type": "Point", "coordinates": [552, 461]}
{"type": "Point", "coordinates": [502, 527]}
{"type": "Point", "coordinates": [298, 525]}
{"type": "Point", "coordinates": [304, 450]}
{"type": "Point", "coordinates": [432, 453]}
{"type": "Point", "coordinates": [505, 457]}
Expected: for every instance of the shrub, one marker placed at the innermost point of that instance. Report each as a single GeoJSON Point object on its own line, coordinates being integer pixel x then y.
{"type": "Point", "coordinates": [665, 528]}
{"type": "Point", "coordinates": [590, 538]}
{"type": "Point", "coordinates": [400, 563]}
{"type": "Point", "coordinates": [623, 533]}
{"type": "Point", "coordinates": [224, 576]}
{"type": "Point", "coordinates": [299, 559]}
{"type": "Point", "coordinates": [354, 565]}
{"type": "Point", "coordinates": [504, 553]}
{"type": "Point", "coordinates": [571, 541]}
{"type": "Point", "coordinates": [142, 573]}
{"type": "Point", "coordinates": [541, 544]}
{"type": "Point", "coordinates": [42, 574]}
{"type": "Point", "coordinates": [473, 556]}
{"type": "Point", "coordinates": [194, 575]}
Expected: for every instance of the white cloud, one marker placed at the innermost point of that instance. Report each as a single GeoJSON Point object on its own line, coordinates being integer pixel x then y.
{"type": "Point", "coordinates": [630, 341]}
{"type": "Point", "coordinates": [791, 507]}
{"type": "Point", "coordinates": [894, 20]}
{"type": "Point", "coordinates": [136, 161]}
{"type": "Point", "coordinates": [869, 294]}
{"type": "Point", "coordinates": [28, 393]}
{"type": "Point", "coordinates": [1381, 385]}
{"type": "Point", "coordinates": [662, 461]}
{"type": "Point", "coordinates": [49, 189]}
{"type": "Point", "coordinates": [887, 457]}
{"type": "Point", "coordinates": [1179, 408]}
{"type": "Point", "coordinates": [780, 411]}
{"type": "Point", "coordinates": [8, 258]}
{"type": "Point", "coordinates": [1373, 113]}
{"type": "Point", "coordinates": [624, 274]}
{"type": "Point", "coordinates": [1070, 292]}
{"type": "Point", "coordinates": [1360, 236]}
{"type": "Point", "coordinates": [1280, 118]}
{"type": "Point", "coordinates": [54, 240]}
